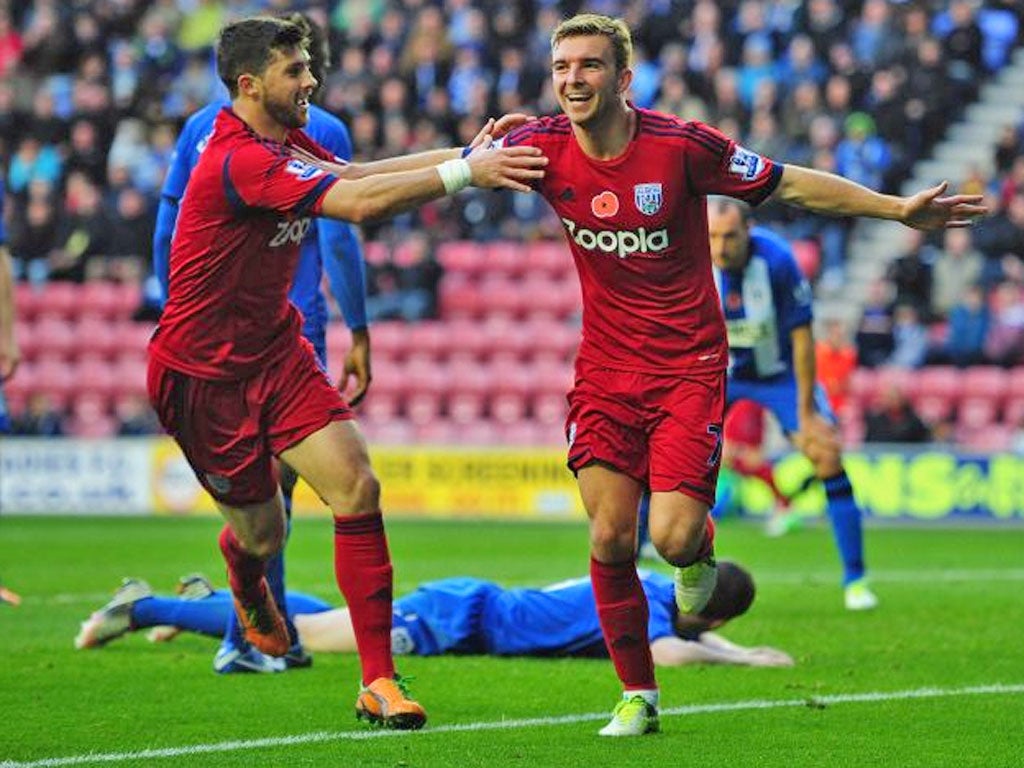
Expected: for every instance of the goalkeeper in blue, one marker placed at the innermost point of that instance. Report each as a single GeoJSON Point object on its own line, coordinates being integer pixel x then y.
{"type": "Point", "coordinates": [330, 246]}
{"type": "Point", "coordinates": [767, 304]}
{"type": "Point", "coordinates": [461, 616]}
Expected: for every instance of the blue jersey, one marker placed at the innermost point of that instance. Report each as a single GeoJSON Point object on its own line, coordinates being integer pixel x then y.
{"type": "Point", "coordinates": [465, 615]}
{"type": "Point", "coordinates": [762, 304]}
{"type": "Point", "coordinates": [331, 246]}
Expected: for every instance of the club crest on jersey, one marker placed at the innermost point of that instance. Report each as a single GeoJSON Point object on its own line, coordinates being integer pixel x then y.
{"type": "Point", "coordinates": [304, 171]}
{"type": "Point", "coordinates": [745, 163]}
{"type": "Point", "coordinates": [605, 204]}
{"type": "Point", "coordinates": [647, 198]}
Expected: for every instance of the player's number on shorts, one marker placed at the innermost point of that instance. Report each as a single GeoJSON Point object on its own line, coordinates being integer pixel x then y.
{"type": "Point", "coordinates": [290, 232]}
{"type": "Point", "coordinates": [716, 453]}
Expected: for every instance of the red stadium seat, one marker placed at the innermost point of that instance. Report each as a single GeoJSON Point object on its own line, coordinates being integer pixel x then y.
{"type": "Point", "coordinates": [390, 432]}
{"type": "Point", "coordinates": [506, 257]}
{"type": "Point", "coordinates": [96, 335]}
{"type": "Point", "coordinates": [463, 257]}
{"type": "Point", "coordinates": [502, 296]}
{"type": "Point", "coordinates": [992, 438]}
{"type": "Point", "coordinates": [551, 258]}
{"type": "Point", "coordinates": [55, 336]}
{"type": "Point", "coordinates": [427, 338]}
{"type": "Point", "coordinates": [436, 432]}
{"type": "Point", "coordinates": [985, 381]}
{"type": "Point", "coordinates": [808, 257]}
{"type": "Point", "coordinates": [28, 299]}
{"type": "Point", "coordinates": [558, 338]}
{"type": "Point", "coordinates": [375, 252]}
{"type": "Point", "coordinates": [91, 418]}
{"type": "Point", "coordinates": [95, 376]}
{"type": "Point", "coordinates": [100, 298]}
{"type": "Point", "coordinates": [525, 433]}
{"type": "Point", "coordinates": [133, 336]}
{"type": "Point", "coordinates": [59, 298]}
{"type": "Point", "coordinates": [129, 299]}
{"type": "Point", "coordinates": [460, 298]}
{"type": "Point", "coordinates": [477, 432]}
{"type": "Point", "coordinates": [934, 391]}
{"type": "Point", "coordinates": [129, 376]}
{"type": "Point", "coordinates": [55, 377]}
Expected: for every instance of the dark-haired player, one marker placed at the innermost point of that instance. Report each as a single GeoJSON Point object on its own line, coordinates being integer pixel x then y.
{"type": "Point", "coordinates": [230, 375]}
{"type": "Point", "coordinates": [646, 409]}
{"type": "Point", "coordinates": [329, 246]}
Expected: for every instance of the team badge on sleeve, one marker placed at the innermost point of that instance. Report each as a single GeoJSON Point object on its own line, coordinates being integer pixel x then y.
{"type": "Point", "coordinates": [304, 171]}
{"type": "Point", "coordinates": [647, 198]}
{"type": "Point", "coordinates": [745, 163]}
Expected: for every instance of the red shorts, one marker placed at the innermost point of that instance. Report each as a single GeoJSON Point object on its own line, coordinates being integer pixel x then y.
{"type": "Point", "coordinates": [229, 430]}
{"type": "Point", "coordinates": [663, 431]}
{"type": "Point", "coordinates": [744, 424]}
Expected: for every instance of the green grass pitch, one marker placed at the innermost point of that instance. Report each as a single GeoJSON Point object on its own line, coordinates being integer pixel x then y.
{"type": "Point", "coordinates": [935, 677]}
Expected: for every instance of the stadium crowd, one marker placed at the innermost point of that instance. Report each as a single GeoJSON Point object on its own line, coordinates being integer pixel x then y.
{"type": "Point", "coordinates": [93, 93]}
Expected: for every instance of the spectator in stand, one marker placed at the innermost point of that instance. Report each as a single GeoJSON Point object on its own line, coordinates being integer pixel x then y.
{"type": "Point", "coordinates": [892, 419]}
{"type": "Point", "coordinates": [863, 156]}
{"type": "Point", "coordinates": [1004, 344]}
{"type": "Point", "coordinates": [911, 274]}
{"type": "Point", "coordinates": [966, 330]}
{"type": "Point", "coordinates": [958, 264]}
{"type": "Point", "coordinates": [83, 237]}
{"type": "Point", "coordinates": [32, 238]}
{"type": "Point", "coordinates": [910, 338]}
{"type": "Point", "coordinates": [961, 44]}
{"type": "Point", "coordinates": [39, 419]}
{"type": "Point", "coordinates": [1008, 148]}
{"type": "Point", "coordinates": [836, 360]}
{"type": "Point", "coordinates": [874, 338]}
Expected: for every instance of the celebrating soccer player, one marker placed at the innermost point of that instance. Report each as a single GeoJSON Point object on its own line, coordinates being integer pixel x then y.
{"type": "Point", "coordinates": [230, 376]}
{"type": "Point", "coordinates": [646, 409]}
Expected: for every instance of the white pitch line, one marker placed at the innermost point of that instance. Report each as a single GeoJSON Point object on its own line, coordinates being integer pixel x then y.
{"type": "Point", "coordinates": [317, 737]}
{"type": "Point", "coordinates": [948, 576]}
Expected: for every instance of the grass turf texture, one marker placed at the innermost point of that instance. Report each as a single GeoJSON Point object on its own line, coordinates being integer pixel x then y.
{"type": "Point", "coordinates": [951, 617]}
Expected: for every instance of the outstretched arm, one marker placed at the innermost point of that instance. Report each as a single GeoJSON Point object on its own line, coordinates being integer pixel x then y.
{"type": "Point", "coordinates": [712, 649]}
{"type": "Point", "coordinates": [491, 131]}
{"type": "Point", "coordinates": [831, 194]}
{"type": "Point", "coordinates": [327, 632]}
{"type": "Point", "coordinates": [388, 194]}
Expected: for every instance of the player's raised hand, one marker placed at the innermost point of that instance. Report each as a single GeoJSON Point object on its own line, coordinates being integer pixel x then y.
{"type": "Point", "coordinates": [357, 364]}
{"type": "Point", "coordinates": [10, 356]}
{"type": "Point", "coordinates": [509, 168]}
{"type": "Point", "coordinates": [495, 129]}
{"type": "Point", "coordinates": [929, 209]}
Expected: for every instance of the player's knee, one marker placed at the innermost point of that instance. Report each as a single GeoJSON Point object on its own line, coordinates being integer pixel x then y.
{"type": "Point", "coordinates": [611, 541]}
{"type": "Point", "coordinates": [679, 542]}
{"type": "Point", "coordinates": [359, 492]}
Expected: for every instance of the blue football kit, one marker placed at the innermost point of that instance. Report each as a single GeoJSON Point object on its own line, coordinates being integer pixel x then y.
{"type": "Point", "coordinates": [763, 303]}
{"type": "Point", "coordinates": [456, 615]}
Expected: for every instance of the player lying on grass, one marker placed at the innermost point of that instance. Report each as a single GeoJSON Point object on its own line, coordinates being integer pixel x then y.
{"type": "Point", "coordinates": [461, 615]}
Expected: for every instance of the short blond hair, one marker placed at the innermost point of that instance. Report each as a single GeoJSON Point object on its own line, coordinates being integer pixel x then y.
{"type": "Point", "coordinates": [597, 24]}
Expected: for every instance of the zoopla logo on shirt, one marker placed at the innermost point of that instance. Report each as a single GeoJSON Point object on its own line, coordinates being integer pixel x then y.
{"type": "Point", "coordinates": [623, 243]}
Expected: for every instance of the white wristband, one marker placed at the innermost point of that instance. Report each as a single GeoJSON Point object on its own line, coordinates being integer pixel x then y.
{"type": "Point", "coordinates": [455, 175]}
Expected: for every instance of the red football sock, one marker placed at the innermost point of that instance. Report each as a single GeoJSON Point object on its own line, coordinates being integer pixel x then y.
{"type": "Point", "coordinates": [622, 610]}
{"type": "Point", "coordinates": [245, 571]}
{"type": "Point", "coordinates": [362, 567]}
{"type": "Point", "coordinates": [763, 472]}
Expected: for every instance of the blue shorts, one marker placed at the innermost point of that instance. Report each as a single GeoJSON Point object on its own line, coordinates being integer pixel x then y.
{"type": "Point", "coordinates": [779, 397]}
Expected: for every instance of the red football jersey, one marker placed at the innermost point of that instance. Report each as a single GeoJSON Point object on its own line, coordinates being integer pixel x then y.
{"type": "Point", "coordinates": [247, 206]}
{"type": "Point", "coordinates": [637, 227]}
